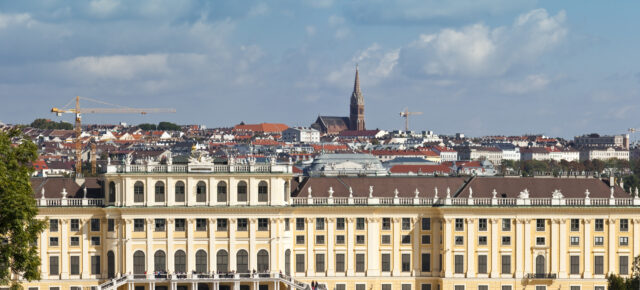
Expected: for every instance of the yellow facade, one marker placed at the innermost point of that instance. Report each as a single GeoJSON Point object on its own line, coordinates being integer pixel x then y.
{"type": "Point", "coordinates": [351, 246]}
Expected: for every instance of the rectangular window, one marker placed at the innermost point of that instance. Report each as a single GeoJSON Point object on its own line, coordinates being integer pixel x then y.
{"type": "Point", "coordinates": [459, 240]}
{"type": "Point", "coordinates": [360, 224]}
{"type": "Point", "coordinates": [574, 288]}
{"type": "Point", "coordinates": [53, 242]}
{"type": "Point", "coordinates": [75, 225]}
{"type": "Point", "coordinates": [263, 224]}
{"type": "Point", "coordinates": [386, 224]}
{"type": "Point", "coordinates": [341, 287]}
{"type": "Point", "coordinates": [483, 287]}
{"type": "Point", "coordinates": [111, 225]}
{"type": "Point", "coordinates": [575, 225]}
{"type": "Point", "coordinates": [506, 287]}
{"type": "Point", "coordinates": [406, 239]}
{"type": "Point", "coordinates": [540, 241]}
{"type": "Point", "coordinates": [201, 225]}
{"type": "Point", "coordinates": [180, 225]}
{"type": "Point", "coordinates": [54, 268]}
{"type": "Point", "coordinates": [598, 241]}
{"type": "Point", "coordinates": [300, 239]}
{"type": "Point", "coordinates": [425, 287]}
{"type": "Point", "coordinates": [340, 239]}
{"type": "Point", "coordinates": [360, 239]}
{"type": "Point", "coordinates": [426, 224]}
{"type": "Point", "coordinates": [541, 287]}
{"type": "Point", "coordinates": [506, 240]}
{"type": "Point", "coordinates": [160, 225]}
{"type": "Point", "coordinates": [221, 225]}
{"type": "Point", "coordinates": [575, 241]}
{"type": "Point", "coordinates": [540, 225]}
{"type": "Point", "coordinates": [360, 263]}
{"type": "Point", "coordinates": [458, 264]}
{"type": "Point", "coordinates": [286, 225]}
{"type": "Point", "coordinates": [242, 225]}
{"type": "Point", "coordinates": [506, 264]}
{"type": "Point", "coordinates": [74, 265]}
{"type": "Point", "coordinates": [319, 224]}
{"type": "Point", "coordinates": [459, 225]}
{"type": "Point", "coordinates": [95, 265]}
{"type": "Point", "coordinates": [75, 241]}
{"type": "Point", "coordinates": [482, 264]}
{"type": "Point", "coordinates": [598, 288]}
{"type": "Point", "coordinates": [426, 262]}
{"type": "Point", "coordinates": [95, 241]}
{"type": "Point", "coordinates": [599, 225]}
{"type": "Point", "coordinates": [299, 224]}
{"type": "Point", "coordinates": [138, 225]}
{"type": "Point", "coordinates": [598, 263]}
{"type": "Point", "coordinates": [406, 224]}
{"type": "Point", "coordinates": [95, 225]}
{"type": "Point", "coordinates": [482, 240]}
{"type": "Point", "coordinates": [624, 241]}
{"type": "Point", "coordinates": [319, 239]}
{"type": "Point", "coordinates": [340, 263]}
{"type": "Point", "coordinates": [340, 224]}
{"type": "Point", "coordinates": [406, 287]}
{"type": "Point", "coordinates": [575, 265]}
{"type": "Point", "coordinates": [406, 262]}
{"type": "Point", "coordinates": [624, 225]}
{"type": "Point", "coordinates": [361, 286]}
{"type": "Point", "coordinates": [319, 262]}
{"type": "Point", "coordinates": [482, 225]}
{"type": "Point", "coordinates": [624, 265]}
{"type": "Point", "coordinates": [426, 239]}
{"type": "Point", "coordinates": [53, 225]}
{"type": "Point", "coordinates": [386, 262]}
{"type": "Point", "coordinates": [385, 287]}
{"type": "Point", "coordinates": [458, 287]}
{"type": "Point", "coordinates": [300, 263]}
{"type": "Point", "coordinates": [386, 239]}
{"type": "Point", "coordinates": [506, 225]}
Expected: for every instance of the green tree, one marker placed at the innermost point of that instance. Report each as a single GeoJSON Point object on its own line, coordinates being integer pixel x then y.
{"type": "Point", "coordinates": [147, 126]}
{"type": "Point", "coordinates": [48, 124]}
{"type": "Point", "coordinates": [19, 229]}
{"type": "Point", "coordinates": [168, 126]}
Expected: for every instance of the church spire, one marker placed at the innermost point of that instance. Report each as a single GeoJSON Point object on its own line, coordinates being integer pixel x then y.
{"type": "Point", "coordinates": [356, 116]}
{"type": "Point", "coordinates": [356, 84]}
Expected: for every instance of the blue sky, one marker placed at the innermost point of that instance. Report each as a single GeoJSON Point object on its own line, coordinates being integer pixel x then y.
{"type": "Point", "coordinates": [479, 67]}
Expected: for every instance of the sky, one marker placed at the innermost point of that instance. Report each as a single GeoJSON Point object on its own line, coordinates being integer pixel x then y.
{"type": "Point", "coordinates": [479, 67]}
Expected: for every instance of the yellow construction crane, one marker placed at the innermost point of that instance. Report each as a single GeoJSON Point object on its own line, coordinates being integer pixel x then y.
{"type": "Point", "coordinates": [78, 125]}
{"type": "Point", "coordinates": [405, 114]}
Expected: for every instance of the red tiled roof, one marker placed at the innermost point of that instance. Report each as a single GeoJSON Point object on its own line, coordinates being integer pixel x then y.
{"type": "Point", "coordinates": [263, 127]}
{"type": "Point", "coordinates": [330, 147]}
{"type": "Point", "coordinates": [358, 133]}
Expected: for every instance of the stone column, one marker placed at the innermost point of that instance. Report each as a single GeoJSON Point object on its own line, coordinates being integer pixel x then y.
{"type": "Point", "coordinates": [471, 250]}
{"type": "Point", "coordinates": [447, 244]}
{"type": "Point", "coordinates": [612, 246]}
{"type": "Point", "coordinates": [170, 253]}
{"type": "Point", "coordinates": [253, 229]}
{"type": "Point", "coordinates": [563, 249]}
{"type": "Point", "coordinates": [232, 242]}
{"type": "Point", "coordinates": [86, 271]}
{"type": "Point", "coordinates": [128, 253]}
{"type": "Point", "coordinates": [527, 246]}
{"type": "Point", "coordinates": [330, 240]}
{"type": "Point", "coordinates": [212, 243]}
{"type": "Point", "coordinates": [149, 192]}
{"type": "Point", "coordinates": [64, 253]}
{"type": "Point", "coordinates": [587, 248]}
{"type": "Point", "coordinates": [519, 248]}
{"type": "Point", "coordinates": [555, 244]}
{"type": "Point", "coordinates": [351, 240]}
{"type": "Point", "coordinates": [495, 241]}
{"type": "Point", "coordinates": [636, 237]}
{"type": "Point", "coordinates": [436, 247]}
{"type": "Point", "coordinates": [310, 245]}
{"type": "Point", "coordinates": [44, 259]}
{"type": "Point", "coordinates": [415, 242]}
{"type": "Point", "coordinates": [149, 237]}
{"type": "Point", "coordinates": [191, 253]}
{"type": "Point", "coordinates": [373, 245]}
{"type": "Point", "coordinates": [397, 223]}
{"type": "Point", "coordinates": [274, 241]}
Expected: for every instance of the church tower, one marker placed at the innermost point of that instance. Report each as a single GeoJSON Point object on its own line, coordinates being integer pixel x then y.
{"type": "Point", "coordinates": [356, 114]}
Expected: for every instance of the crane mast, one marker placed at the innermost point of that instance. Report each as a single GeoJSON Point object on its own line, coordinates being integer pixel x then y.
{"type": "Point", "coordinates": [405, 114]}
{"type": "Point", "coordinates": [78, 123]}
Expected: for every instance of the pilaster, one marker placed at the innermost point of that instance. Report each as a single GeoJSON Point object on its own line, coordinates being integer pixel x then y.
{"type": "Point", "coordinates": [397, 223]}
{"type": "Point", "coordinates": [170, 251]}
{"type": "Point", "coordinates": [563, 249]}
{"type": "Point", "coordinates": [373, 246]}
{"type": "Point", "coordinates": [64, 250]}
{"type": "Point", "coordinates": [612, 246]}
{"type": "Point", "coordinates": [253, 228]}
{"type": "Point", "coordinates": [86, 271]}
{"type": "Point", "coordinates": [494, 247]}
{"type": "Point", "coordinates": [191, 257]}
{"type": "Point", "coordinates": [587, 248]}
{"type": "Point", "coordinates": [519, 248]}
{"type": "Point", "coordinates": [351, 240]}
{"type": "Point", "coordinates": [447, 243]}
{"type": "Point", "coordinates": [527, 247]}
{"type": "Point", "coordinates": [471, 250]}
{"type": "Point", "coordinates": [310, 245]}
{"type": "Point", "coordinates": [330, 241]}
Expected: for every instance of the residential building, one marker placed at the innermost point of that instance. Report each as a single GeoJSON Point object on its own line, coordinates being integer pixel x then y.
{"type": "Point", "coordinates": [604, 153]}
{"type": "Point", "coordinates": [492, 154]}
{"type": "Point", "coordinates": [301, 135]}
{"type": "Point", "coordinates": [446, 154]}
{"type": "Point", "coordinates": [596, 140]}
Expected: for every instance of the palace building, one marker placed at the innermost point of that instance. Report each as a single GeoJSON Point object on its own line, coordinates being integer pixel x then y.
{"type": "Point", "coordinates": [206, 226]}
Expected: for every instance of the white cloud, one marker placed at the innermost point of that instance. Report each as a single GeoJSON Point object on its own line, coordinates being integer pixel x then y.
{"type": "Point", "coordinates": [259, 9]}
{"type": "Point", "coordinates": [335, 20]}
{"type": "Point", "coordinates": [375, 63]}
{"type": "Point", "coordinates": [529, 84]}
{"type": "Point", "coordinates": [478, 50]}
{"type": "Point", "coordinates": [7, 20]}
{"type": "Point", "coordinates": [319, 3]}
{"type": "Point", "coordinates": [311, 30]}
{"type": "Point", "coordinates": [120, 67]}
{"type": "Point", "coordinates": [103, 8]}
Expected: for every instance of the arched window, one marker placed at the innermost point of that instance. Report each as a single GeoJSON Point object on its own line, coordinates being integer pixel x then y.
{"type": "Point", "coordinates": [111, 265]}
{"type": "Point", "coordinates": [540, 265]}
{"type": "Point", "coordinates": [138, 192]}
{"type": "Point", "coordinates": [159, 261]}
{"type": "Point", "coordinates": [138, 263]}
{"type": "Point", "coordinates": [159, 191]}
{"type": "Point", "coordinates": [263, 261]}
{"type": "Point", "coordinates": [222, 191]}
{"type": "Point", "coordinates": [180, 262]}
{"type": "Point", "coordinates": [263, 191]}
{"type": "Point", "coordinates": [112, 191]}
{"type": "Point", "coordinates": [201, 261]}
{"type": "Point", "coordinates": [179, 191]}
{"type": "Point", "coordinates": [201, 192]}
{"type": "Point", "coordinates": [222, 261]}
{"type": "Point", "coordinates": [242, 191]}
{"type": "Point", "coordinates": [287, 262]}
{"type": "Point", "coordinates": [242, 260]}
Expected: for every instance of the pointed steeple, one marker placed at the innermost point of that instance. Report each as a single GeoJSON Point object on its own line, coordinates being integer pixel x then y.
{"type": "Point", "coordinates": [356, 84]}
{"type": "Point", "coordinates": [356, 116]}
{"type": "Point", "coordinates": [356, 96]}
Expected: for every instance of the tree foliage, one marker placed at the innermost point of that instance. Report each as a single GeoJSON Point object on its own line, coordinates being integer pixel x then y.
{"type": "Point", "coordinates": [147, 126]}
{"type": "Point", "coordinates": [19, 229]}
{"type": "Point", "coordinates": [619, 283]}
{"type": "Point", "coordinates": [48, 124]}
{"type": "Point", "coordinates": [163, 126]}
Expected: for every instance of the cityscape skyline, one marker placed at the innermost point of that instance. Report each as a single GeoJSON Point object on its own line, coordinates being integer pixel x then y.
{"type": "Point", "coordinates": [534, 67]}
